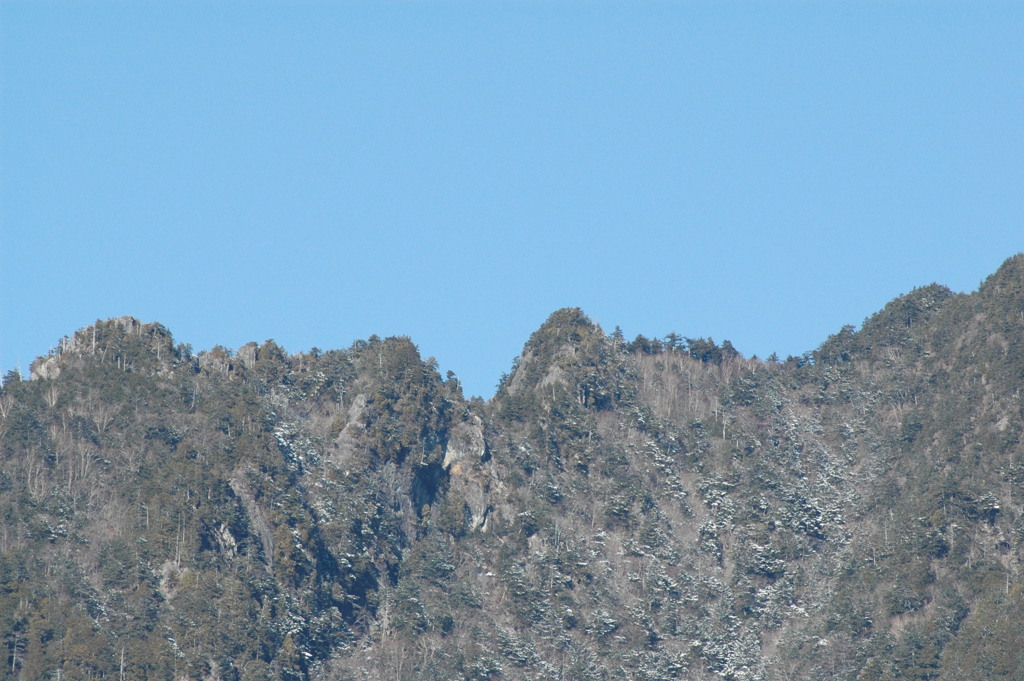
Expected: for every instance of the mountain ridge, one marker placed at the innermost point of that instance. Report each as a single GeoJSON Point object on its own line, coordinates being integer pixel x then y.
{"type": "Point", "coordinates": [648, 509]}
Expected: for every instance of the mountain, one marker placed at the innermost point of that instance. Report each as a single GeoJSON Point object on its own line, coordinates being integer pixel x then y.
{"type": "Point", "coordinates": [646, 509]}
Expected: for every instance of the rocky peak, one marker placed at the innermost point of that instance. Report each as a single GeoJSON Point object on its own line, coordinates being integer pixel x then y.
{"type": "Point", "coordinates": [124, 340]}
{"type": "Point", "coordinates": [565, 340]}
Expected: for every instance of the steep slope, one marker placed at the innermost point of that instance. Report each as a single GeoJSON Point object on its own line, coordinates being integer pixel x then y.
{"type": "Point", "coordinates": [215, 516]}
{"type": "Point", "coordinates": [655, 509]}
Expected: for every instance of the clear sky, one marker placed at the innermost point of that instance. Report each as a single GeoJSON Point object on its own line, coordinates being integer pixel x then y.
{"type": "Point", "coordinates": [455, 171]}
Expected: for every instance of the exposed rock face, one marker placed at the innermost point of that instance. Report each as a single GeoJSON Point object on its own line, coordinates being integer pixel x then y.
{"type": "Point", "coordinates": [465, 442]}
{"type": "Point", "coordinates": [475, 486]}
{"type": "Point", "coordinates": [257, 517]}
{"type": "Point", "coordinates": [470, 480]}
{"type": "Point", "coordinates": [347, 443]}
{"type": "Point", "coordinates": [248, 354]}
{"type": "Point", "coordinates": [216, 362]}
{"type": "Point", "coordinates": [44, 368]}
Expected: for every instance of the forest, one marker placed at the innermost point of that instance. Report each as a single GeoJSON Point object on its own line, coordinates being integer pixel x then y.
{"type": "Point", "coordinates": [647, 509]}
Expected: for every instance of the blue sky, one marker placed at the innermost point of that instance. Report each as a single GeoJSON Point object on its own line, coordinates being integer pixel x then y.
{"type": "Point", "coordinates": [319, 172]}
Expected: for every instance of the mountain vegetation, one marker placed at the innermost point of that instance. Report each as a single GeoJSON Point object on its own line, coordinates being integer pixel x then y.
{"type": "Point", "coordinates": [650, 509]}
